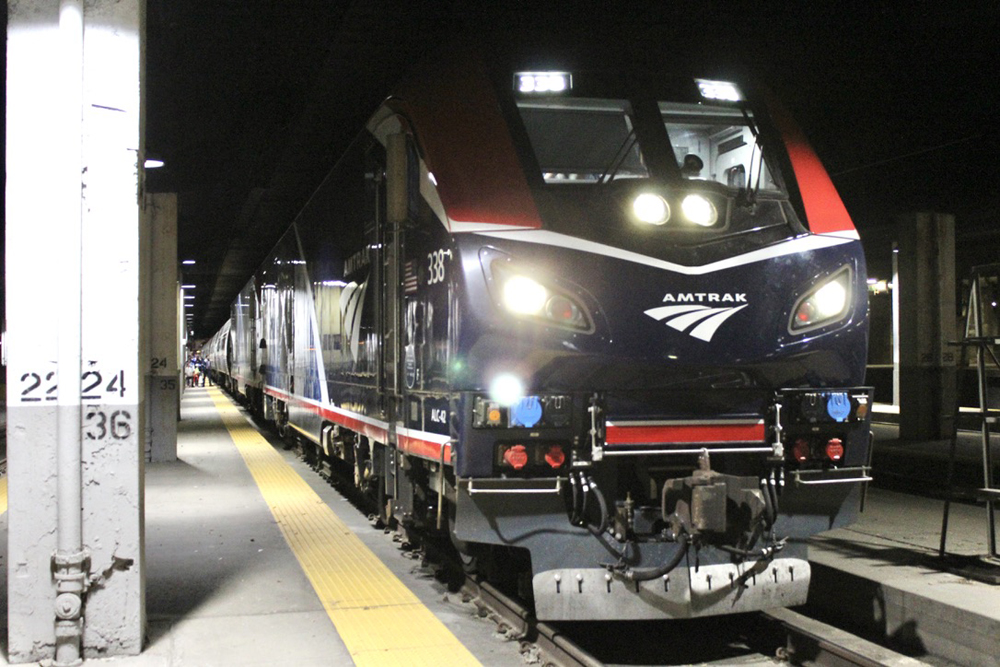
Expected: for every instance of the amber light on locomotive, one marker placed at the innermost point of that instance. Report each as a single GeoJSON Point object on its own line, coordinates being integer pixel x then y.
{"type": "Point", "coordinates": [527, 412]}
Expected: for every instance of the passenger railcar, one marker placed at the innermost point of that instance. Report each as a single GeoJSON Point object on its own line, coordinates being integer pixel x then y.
{"type": "Point", "coordinates": [611, 326]}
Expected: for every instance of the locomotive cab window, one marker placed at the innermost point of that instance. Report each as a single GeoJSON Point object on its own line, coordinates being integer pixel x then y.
{"type": "Point", "coordinates": [583, 140]}
{"type": "Point", "coordinates": [717, 144]}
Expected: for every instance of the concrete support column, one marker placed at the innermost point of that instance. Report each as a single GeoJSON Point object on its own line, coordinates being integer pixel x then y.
{"type": "Point", "coordinates": [927, 323]}
{"type": "Point", "coordinates": [94, 213]}
{"type": "Point", "coordinates": [163, 375]}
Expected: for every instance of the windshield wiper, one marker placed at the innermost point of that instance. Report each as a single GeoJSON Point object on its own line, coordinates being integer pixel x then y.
{"type": "Point", "coordinates": [619, 158]}
{"type": "Point", "coordinates": [747, 197]}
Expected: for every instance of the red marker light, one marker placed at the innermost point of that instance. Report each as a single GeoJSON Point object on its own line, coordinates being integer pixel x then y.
{"type": "Point", "coordinates": [516, 457]}
{"type": "Point", "coordinates": [800, 450]}
{"type": "Point", "coordinates": [555, 456]}
{"type": "Point", "coordinates": [561, 308]}
{"type": "Point", "coordinates": [835, 449]}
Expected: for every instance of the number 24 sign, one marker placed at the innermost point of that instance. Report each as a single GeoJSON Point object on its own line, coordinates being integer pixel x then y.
{"type": "Point", "coordinates": [36, 388]}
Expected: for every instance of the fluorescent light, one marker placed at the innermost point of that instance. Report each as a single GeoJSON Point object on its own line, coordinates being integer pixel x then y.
{"type": "Point", "coordinates": [188, 286]}
{"type": "Point", "coordinates": [188, 261]}
{"type": "Point", "coordinates": [150, 163]}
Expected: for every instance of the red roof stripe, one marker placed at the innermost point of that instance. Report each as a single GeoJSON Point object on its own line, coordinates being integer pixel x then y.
{"type": "Point", "coordinates": [825, 212]}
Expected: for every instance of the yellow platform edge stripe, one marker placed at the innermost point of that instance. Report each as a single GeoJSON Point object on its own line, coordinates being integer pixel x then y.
{"type": "Point", "coordinates": [378, 618]}
{"type": "Point", "coordinates": [3, 494]}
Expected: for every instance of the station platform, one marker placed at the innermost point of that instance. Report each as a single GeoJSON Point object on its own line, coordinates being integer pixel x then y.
{"type": "Point", "coordinates": [252, 559]}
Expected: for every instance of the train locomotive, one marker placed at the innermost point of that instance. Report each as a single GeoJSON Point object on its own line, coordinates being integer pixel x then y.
{"type": "Point", "coordinates": [606, 330]}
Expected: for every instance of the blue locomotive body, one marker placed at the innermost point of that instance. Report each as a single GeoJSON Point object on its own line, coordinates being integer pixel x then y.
{"type": "Point", "coordinates": [617, 325]}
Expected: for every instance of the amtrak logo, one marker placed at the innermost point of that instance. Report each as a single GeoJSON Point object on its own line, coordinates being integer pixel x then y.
{"type": "Point", "coordinates": [690, 316]}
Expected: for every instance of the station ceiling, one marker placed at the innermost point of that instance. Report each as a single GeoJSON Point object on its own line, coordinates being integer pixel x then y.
{"type": "Point", "coordinates": [251, 102]}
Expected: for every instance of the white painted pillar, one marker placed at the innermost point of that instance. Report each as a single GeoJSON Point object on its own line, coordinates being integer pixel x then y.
{"type": "Point", "coordinates": [163, 377]}
{"type": "Point", "coordinates": [109, 385]}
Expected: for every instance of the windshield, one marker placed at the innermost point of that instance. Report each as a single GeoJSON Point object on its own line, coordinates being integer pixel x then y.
{"type": "Point", "coordinates": [592, 140]}
{"type": "Point", "coordinates": [583, 140]}
{"type": "Point", "coordinates": [717, 144]}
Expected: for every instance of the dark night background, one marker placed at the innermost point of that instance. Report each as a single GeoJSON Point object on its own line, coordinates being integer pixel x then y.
{"type": "Point", "coordinates": [250, 102]}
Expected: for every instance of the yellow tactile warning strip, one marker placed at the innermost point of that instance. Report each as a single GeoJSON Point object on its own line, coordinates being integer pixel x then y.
{"type": "Point", "coordinates": [379, 619]}
{"type": "Point", "coordinates": [3, 494]}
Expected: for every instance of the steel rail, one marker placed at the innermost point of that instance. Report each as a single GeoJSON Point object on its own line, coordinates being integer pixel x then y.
{"type": "Point", "coordinates": [555, 647]}
{"type": "Point", "coordinates": [821, 644]}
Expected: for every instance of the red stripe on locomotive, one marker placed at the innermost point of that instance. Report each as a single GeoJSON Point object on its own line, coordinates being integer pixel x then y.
{"type": "Point", "coordinates": [825, 211]}
{"type": "Point", "coordinates": [684, 433]}
{"type": "Point", "coordinates": [468, 147]}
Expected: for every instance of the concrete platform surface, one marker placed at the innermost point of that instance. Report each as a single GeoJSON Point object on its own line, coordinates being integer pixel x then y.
{"type": "Point", "coordinates": [223, 587]}
{"type": "Point", "coordinates": [882, 577]}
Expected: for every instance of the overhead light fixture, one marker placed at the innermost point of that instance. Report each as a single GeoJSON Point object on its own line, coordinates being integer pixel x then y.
{"type": "Point", "coordinates": [188, 261]}
{"type": "Point", "coordinates": [189, 296]}
{"type": "Point", "coordinates": [188, 286]}
{"type": "Point", "coordinates": [152, 163]}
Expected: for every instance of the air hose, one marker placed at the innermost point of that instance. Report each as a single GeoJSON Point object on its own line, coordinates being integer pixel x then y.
{"type": "Point", "coordinates": [650, 573]}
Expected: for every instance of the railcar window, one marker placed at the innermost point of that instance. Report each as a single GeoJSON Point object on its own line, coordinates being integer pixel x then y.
{"type": "Point", "coordinates": [583, 140]}
{"type": "Point", "coordinates": [717, 144]}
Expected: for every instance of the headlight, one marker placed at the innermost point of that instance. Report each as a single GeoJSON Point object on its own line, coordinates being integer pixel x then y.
{"type": "Point", "coordinates": [506, 390]}
{"type": "Point", "coordinates": [651, 208]}
{"type": "Point", "coordinates": [525, 296]}
{"type": "Point", "coordinates": [825, 304]}
{"type": "Point", "coordinates": [700, 210]}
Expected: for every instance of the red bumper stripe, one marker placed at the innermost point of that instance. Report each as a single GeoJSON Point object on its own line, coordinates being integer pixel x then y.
{"type": "Point", "coordinates": [624, 434]}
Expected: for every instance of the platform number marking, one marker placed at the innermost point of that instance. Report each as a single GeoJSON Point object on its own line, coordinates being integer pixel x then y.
{"type": "Point", "coordinates": [98, 425]}
{"type": "Point", "coordinates": [32, 384]}
{"type": "Point", "coordinates": [36, 387]}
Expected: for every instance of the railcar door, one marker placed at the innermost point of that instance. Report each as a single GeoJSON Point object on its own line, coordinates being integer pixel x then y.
{"type": "Point", "coordinates": [393, 219]}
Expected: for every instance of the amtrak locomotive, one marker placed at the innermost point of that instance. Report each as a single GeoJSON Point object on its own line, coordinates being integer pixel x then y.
{"type": "Point", "coordinates": [607, 328]}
